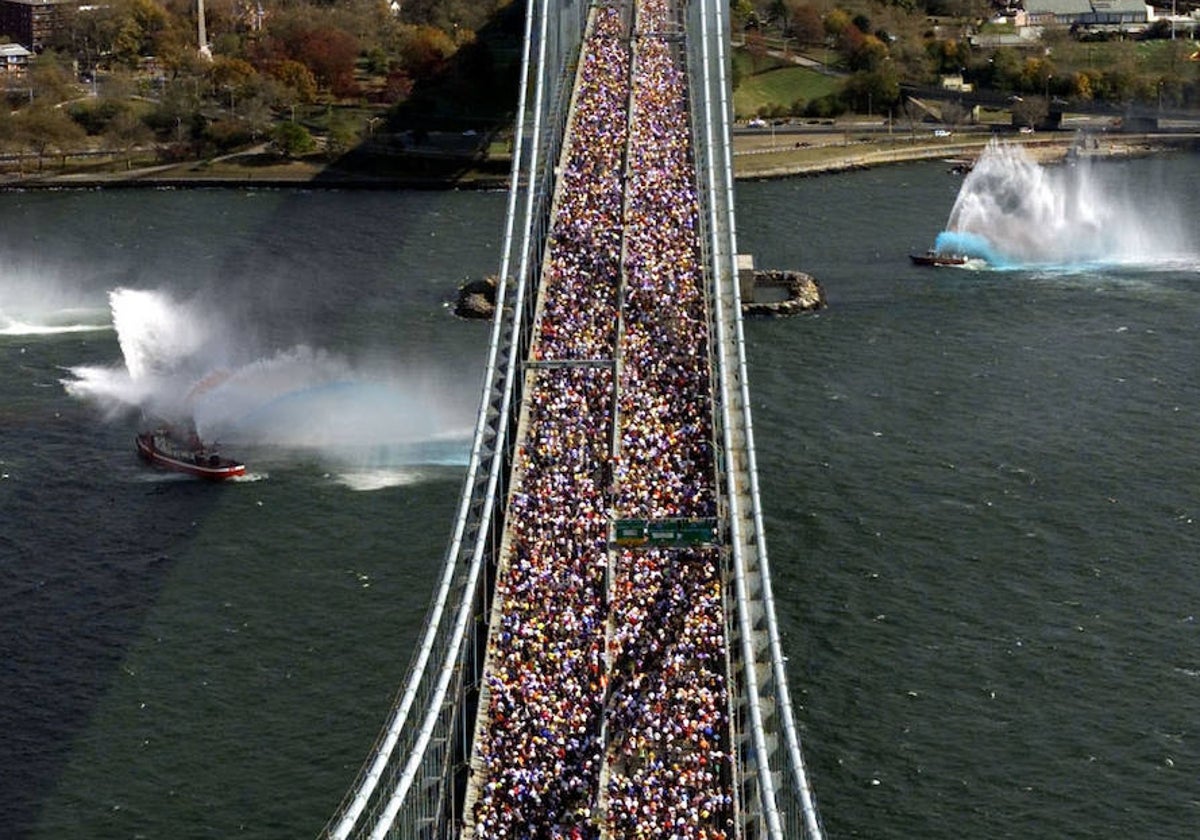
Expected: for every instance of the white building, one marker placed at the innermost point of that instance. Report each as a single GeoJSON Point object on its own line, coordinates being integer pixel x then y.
{"type": "Point", "coordinates": [14, 59]}
{"type": "Point", "coordinates": [1088, 12]}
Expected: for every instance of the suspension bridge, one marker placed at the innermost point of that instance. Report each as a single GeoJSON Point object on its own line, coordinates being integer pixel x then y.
{"type": "Point", "coordinates": [601, 657]}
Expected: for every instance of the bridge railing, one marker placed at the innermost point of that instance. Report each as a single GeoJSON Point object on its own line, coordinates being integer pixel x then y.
{"type": "Point", "coordinates": [413, 781]}
{"type": "Point", "coordinates": [776, 798]}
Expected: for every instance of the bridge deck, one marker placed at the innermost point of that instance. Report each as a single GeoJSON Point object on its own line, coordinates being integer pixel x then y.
{"type": "Point", "coordinates": [604, 710]}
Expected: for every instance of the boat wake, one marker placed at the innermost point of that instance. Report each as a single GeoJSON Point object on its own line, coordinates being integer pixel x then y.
{"type": "Point", "coordinates": [31, 304]}
{"type": "Point", "coordinates": [70, 323]}
{"type": "Point", "coordinates": [380, 479]}
{"type": "Point", "coordinates": [179, 365]}
{"type": "Point", "coordinates": [1012, 213]}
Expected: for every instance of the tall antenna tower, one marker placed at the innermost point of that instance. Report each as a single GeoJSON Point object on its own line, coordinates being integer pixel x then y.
{"type": "Point", "coordinates": [201, 33]}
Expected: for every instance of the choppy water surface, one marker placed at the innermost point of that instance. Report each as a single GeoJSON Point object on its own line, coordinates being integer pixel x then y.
{"type": "Point", "coordinates": [980, 490]}
{"type": "Point", "coordinates": [984, 511]}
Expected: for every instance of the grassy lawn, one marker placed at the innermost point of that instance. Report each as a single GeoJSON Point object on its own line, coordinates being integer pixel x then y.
{"type": "Point", "coordinates": [991, 116]}
{"type": "Point", "coordinates": [745, 64]}
{"type": "Point", "coordinates": [780, 86]}
{"type": "Point", "coordinates": [1143, 56]}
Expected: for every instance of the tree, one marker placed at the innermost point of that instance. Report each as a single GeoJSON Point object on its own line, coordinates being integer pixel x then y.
{"type": "Point", "coordinates": [1082, 85]}
{"type": "Point", "coordinates": [781, 11]}
{"type": "Point", "coordinates": [1036, 75]}
{"type": "Point", "coordinates": [837, 22]}
{"type": "Point", "coordinates": [42, 128]}
{"type": "Point", "coordinates": [330, 55]}
{"type": "Point", "coordinates": [447, 15]}
{"type": "Point", "coordinates": [298, 78]}
{"type": "Point", "coordinates": [226, 134]}
{"type": "Point", "coordinates": [126, 132]}
{"type": "Point", "coordinates": [742, 12]}
{"type": "Point", "coordinates": [756, 46]}
{"type": "Point", "coordinates": [873, 90]}
{"type": "Point", "coordinates": [86, 34]}
{"type": "Point", "coordinates": [397, 87]}
{"type": "Point", "coordinates": [953, 113]}
{"type": "Point", "coordinates": [948, 54]}
{"type": "Point", "coordinates": [806, 23]}
{"type": "Point", "coordinates": [914, 113]}
{"type": "Point", "coordinates": [50, 78]}
{"type": "Point", "coordinates": [292, 140]}
{"type": "Point", "coordinates": [1030, 111]}
{"type": "Point", "coordinates": [9, 131]}
{"type": "Point", "coordinates": [424, 51]}
{"type": "Point", "coordinates": [230, 81]}
{"type": "Point", "coordinates": [257, 111]}
{"type": "Point", "coordinates": [1005, 69]}
{"type": "Point", "coordinates": [869, 54]}
{"type": "Point", "coordinates": [343, 135]}
{"type": "Point", "coordinates": [230, 73]}
{"type": "Point", "coordinates": [139, 25]}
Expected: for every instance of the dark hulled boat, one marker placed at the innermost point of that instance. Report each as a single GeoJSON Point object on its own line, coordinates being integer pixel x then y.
{"type": "Point", "coordinates": [165, 449]}
{"type": "Point", "coordinates": [934, 258]}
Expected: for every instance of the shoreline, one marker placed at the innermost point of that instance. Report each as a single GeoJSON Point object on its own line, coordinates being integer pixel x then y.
{"type": "Point", "coordinates": [756, 157]}
{"type": "Point", "coordinates": [768, 164]}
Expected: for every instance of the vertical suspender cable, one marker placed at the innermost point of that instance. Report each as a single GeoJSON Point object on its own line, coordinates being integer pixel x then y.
{"type": "Point", "coordinates": [466, 608]}
{"type": "Point", "coordinates": [371, 780]}
{"type": "Point", "coordinates": [720, 268]}
{"type": "Point", "coordinates": [808, 802]}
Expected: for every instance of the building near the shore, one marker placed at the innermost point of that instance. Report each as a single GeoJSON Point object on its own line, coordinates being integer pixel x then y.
{"type": "Point", "coordinates": [1088, 12]}
{"type": "Point", "coordinates": [32, 23]}
{"type": "Point", "coordinates": [14, 60]}
{"type": "Point", "coordinates": [954, 81]}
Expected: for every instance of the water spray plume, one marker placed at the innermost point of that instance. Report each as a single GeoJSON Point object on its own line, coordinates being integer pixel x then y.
{"type": "Point", "coordinates": [1013, 212]}
{"type": "Point", "coordinates": [179, 367]}
{"type": "Point", "coordinates": [157, 335]}
{"type": "Point", "coordinates": [166, 345]}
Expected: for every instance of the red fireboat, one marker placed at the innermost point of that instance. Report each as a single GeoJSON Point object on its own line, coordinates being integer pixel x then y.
{"type": "Point", "coordinates": [165, 448]}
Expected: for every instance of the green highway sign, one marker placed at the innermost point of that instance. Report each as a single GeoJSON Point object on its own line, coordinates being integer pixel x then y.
{"type": "Point", "coordinates": [665, 532]}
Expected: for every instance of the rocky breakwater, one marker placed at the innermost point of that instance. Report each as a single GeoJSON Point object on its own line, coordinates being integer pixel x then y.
{"type": "Point", "coordinates": [476, 299]}
{"type": "Point", "coordinates": [794, 292]}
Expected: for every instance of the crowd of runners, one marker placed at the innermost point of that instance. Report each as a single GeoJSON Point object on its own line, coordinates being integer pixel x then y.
{"type": "Point", "coordinates": [606, 693]}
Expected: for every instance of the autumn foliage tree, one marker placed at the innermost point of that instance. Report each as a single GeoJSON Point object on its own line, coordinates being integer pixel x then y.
{"type": "Point", "coordinates": [806, 25]}
{"type": "Point", "coordinates": [330, 54]}
{"type": "Point", "coordinates": [313, 39]}
{"type": "Point", "coordinates": [44, 128]}
{"type": "Point", "coordinates": [424, 50]}
{"type": "Point", "coordinates": [297, 78]}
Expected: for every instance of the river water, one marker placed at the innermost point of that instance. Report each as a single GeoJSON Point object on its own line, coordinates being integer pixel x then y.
{"type": "Point", "coordinates": [979, 488]}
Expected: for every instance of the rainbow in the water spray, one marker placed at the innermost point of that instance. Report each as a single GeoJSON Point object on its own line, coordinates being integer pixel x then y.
{"type": "Point", "coordinates": [1013, 212]}
{"type": "Point", "coordinates": [179, 365]}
